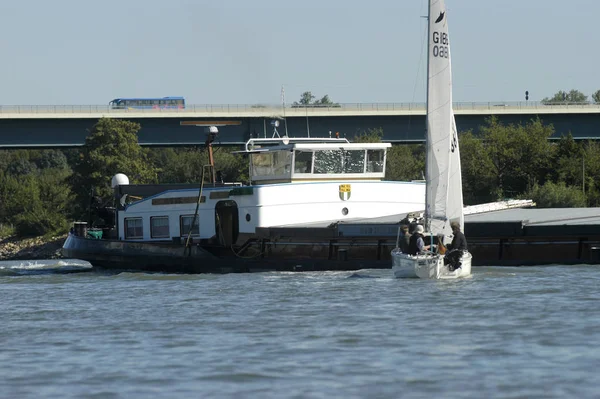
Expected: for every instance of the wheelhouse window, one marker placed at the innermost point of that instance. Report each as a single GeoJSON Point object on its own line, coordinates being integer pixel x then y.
{"type": "Point", "coordinates": [159, 227]}
{"type": "Point", "coordinates": [276, 163]}
{"type": "Point", "coordinates": [328, 162]}
{"type": "Point", "coordinates": [186, 225]}
{"type": "Point", "coordinates": [134, 228]}
{"type": "Point", "coordinates": [354, 161]}
{"type": "Point", "coordinates": [375, 161]}
{"type": "Point", "coordinates": [303, 161]}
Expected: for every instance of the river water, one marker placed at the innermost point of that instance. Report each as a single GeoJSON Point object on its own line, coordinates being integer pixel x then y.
{"type": "Point", "coordinates": [68, 331]}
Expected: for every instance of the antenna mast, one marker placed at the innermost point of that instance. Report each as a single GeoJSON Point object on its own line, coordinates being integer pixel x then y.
{"type": "Point", "coordinates": [283, 106]}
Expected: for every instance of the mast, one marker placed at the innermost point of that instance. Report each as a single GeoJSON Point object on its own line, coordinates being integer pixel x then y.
{"type": "Point", "coordinates": [427, 177]}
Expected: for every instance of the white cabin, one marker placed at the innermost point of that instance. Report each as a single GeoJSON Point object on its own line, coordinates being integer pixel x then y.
{"type": "Point", "coordinates": [293, 182]}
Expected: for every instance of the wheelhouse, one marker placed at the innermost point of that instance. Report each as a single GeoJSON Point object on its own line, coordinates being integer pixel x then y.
{"type": "Point", "coordinates": [292, 160]}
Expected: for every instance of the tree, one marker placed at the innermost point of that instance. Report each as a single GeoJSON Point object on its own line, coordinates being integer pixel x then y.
{"type": "Point", "coordinates": [36, 204]}
{"type": "Point", "coordinates": [563, 97]}
{"type": "Point", "coordinates": [326, 101]}
{"type": "Point", "coordinates": [13, 197]}
{"type": "Point", "coordinates": [110, 148]}
{"type": "Point", "coordinates": [568, 161]}
{"type": "Point", "coordinates": [405, 162]}
{"type": "Point", "coordinates": [591, 170]}
{"type": "Point", "coordinates": [49, 203]}
{"type": "Point", "coordinates": [596, 97]}
{"type": "Point", "coordinates": [521, 154]}
{"type": "Point", "coordinates": [369, 136]}
{"type": "Point", "coordinates": [556, 195]}
{"type": "Point", "coordinates": [307, 98]}
{"type": "Point", "coordinates": [51, 159]}
{"type": "Point", "coordinates": [186, 165]}
{"type": "Point", "coordinates": [478, 171]}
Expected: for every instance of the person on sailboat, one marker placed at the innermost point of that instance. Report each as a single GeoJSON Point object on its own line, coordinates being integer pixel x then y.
{"type": "Point", "coordinates": [416, 243]}
{"type": "Point", "coordinates": [405, 239]}
{"type": "Point", "coordinates": [459, 241]}
{"type": "Point", "coordinates": [455, 248]}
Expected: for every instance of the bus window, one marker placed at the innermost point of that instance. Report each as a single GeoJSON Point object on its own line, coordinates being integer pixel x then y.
{"type": "Point", "coordinates": [148, 103]}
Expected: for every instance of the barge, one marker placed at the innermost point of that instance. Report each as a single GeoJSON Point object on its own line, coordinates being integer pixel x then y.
{"type": "Point", "coordinates": [288, 217]}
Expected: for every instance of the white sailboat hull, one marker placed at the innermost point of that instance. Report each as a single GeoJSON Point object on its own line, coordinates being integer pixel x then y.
{"type": "Point", "coordinates": [428, 266]}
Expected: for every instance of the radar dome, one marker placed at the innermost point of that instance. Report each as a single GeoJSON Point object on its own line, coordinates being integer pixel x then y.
{"type": "Point", "coordinates": [118, 180]}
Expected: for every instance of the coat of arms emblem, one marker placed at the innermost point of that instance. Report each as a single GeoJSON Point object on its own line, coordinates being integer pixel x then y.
{"type": "Point", "coordinates": [345, 192]}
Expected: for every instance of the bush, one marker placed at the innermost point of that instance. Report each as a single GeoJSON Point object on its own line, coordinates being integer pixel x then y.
{"type": "Point", "coordinates": [557, 195]}
{"type": "Point", "coordinates": [40, 221]}
{"type": "Point", "coordinates": [6, 230]}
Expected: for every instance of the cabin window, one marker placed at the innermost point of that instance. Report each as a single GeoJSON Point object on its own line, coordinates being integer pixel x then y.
{"type": "Point", "coordinates": [134, 228]}
{"type": "Point", "coordinates": [186, 225]}
{"type": "Point", "coordinates": [354, 161]}
{"type": "Point", "coordinates": [328, 161]}
{"type": "Point", "coordinates": [275, 163]}
{"type": "Point", "coordinates": [303, 162]}
{"type": "Point", "coordinates": [375, 161]}
{"type": "Point", "coordinates": [159, 227]}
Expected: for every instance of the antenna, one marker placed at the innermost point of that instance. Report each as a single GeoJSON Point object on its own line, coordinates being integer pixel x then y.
{"type": "Point", "coordinates": [283, 106]}
{"type": "Point", "coordinates": [275, 124]}
{"type": "Point", "coordinates": [307, 126]}
{"type": "Point", "coordinates": [211, 134]}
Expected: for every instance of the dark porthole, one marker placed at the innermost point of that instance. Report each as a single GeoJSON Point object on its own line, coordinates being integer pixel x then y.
{"type": "Point", "coordinates": [248, 217]}
{"type": "Point", "coordinates": [344, 211]}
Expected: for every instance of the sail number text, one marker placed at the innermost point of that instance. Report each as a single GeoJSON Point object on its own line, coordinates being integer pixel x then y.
{"type": "Point", "coordinates": [440, 44]}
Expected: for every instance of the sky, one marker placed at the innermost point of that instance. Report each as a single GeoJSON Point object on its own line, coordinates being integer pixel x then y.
{"type": "Point", "coordinates": [80, 52]}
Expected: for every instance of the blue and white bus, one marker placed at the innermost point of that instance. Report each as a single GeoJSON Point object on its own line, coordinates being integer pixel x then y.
{"type": "Point", "coordinates": [148, 103]}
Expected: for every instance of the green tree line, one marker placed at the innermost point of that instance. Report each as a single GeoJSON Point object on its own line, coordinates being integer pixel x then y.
{"type": "Point", "coordinates": [571, 97]}
{"type": "Point", "coordinates": [43, 191]}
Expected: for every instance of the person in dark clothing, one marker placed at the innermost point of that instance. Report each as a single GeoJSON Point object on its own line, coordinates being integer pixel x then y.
{"type": "Point", "coordinates": [404, 239]}
{"type": "Point", "coordinates": [416, 243]}
{"type": "Point", "coordinates": [459, 241]}
{"type": "Point", "coordinates": [455, 248]}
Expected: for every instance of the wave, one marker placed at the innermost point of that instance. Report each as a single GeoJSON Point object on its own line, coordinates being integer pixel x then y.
{"type": "Point", "coordinates": [47, 266]}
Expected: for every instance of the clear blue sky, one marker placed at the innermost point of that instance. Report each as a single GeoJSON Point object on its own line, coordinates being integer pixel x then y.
{"type": "Point", "coordinates": [242, 51]}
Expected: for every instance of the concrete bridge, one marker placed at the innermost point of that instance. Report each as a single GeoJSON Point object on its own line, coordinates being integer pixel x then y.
{"type": "Point", "coordinates": [67, 126]}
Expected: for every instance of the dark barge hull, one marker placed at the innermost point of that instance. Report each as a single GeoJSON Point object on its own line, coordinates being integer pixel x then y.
{"type": "Point", "coordinates": [171, 258]}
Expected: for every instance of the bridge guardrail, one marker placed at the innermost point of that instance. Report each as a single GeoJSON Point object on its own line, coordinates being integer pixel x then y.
{"type": "Point", "coordinates": [261, 108]}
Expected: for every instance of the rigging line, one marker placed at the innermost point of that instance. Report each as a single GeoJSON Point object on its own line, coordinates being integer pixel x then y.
{"type": "Point", "coordinates": [419, 68]}
{"type": "Point", "coordinates": [440, 71]}
{"type": "Point", "coordinates": [440, 107]}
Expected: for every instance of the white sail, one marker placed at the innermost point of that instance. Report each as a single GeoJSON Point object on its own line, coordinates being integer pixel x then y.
{"type": "Point", "coordinates": [444, 202]}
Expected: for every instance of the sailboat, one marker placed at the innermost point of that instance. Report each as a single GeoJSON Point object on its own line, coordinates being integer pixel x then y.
{"type": "Point", "coordinates": [443, 198]}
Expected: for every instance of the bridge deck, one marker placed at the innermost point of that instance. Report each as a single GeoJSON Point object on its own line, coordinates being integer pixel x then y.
{"type": "Point", "coordinates": [274, 111]}
{"type": "Point", "coordinates": [39, 126]}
